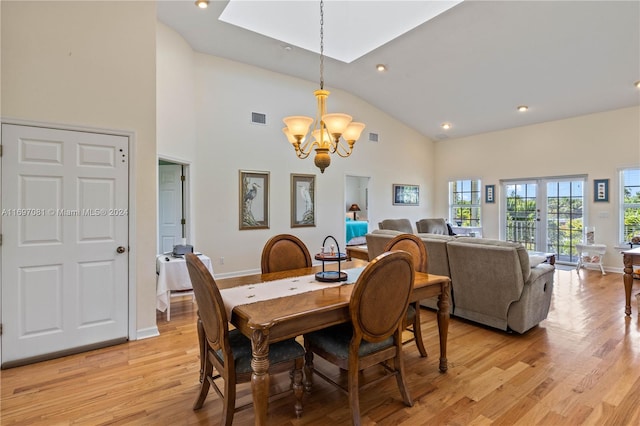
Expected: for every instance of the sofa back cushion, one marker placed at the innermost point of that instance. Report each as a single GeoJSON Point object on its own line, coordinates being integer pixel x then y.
{"type": "Point", "coordinates": [377, 239]}
{"type": "Point", "coordinates": [436, 246]}
{"type": "Point", "coordinates": [522, 253]}
{"type": "Point", "coordinates": [402, 225]}
{"type": "Point", "coordinates": [432, 226]}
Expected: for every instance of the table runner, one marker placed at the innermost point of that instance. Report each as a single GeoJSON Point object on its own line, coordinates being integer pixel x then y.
{"type": "Point", "coordinates": [252, 293]}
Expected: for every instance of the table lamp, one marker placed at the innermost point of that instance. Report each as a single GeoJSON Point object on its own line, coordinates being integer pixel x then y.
{"type": "Point", "coordinates": [354, 208]}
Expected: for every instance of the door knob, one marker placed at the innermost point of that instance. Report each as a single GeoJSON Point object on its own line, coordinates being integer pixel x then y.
{"type": "Point", "coordinates": [121, 250]}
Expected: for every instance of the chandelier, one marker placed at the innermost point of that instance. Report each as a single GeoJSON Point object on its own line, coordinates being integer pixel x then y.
{"type": "Point", "coordinates": [329, 131]}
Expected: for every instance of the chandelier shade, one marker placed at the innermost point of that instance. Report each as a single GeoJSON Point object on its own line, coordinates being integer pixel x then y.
{"type": "Point", "coordinates": [329, 132]}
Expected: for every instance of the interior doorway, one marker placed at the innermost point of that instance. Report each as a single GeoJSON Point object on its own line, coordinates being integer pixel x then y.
{"type": "Point", "coordinates": [173, 206]}
{"type": "Point", "coordinates": [356, 209]}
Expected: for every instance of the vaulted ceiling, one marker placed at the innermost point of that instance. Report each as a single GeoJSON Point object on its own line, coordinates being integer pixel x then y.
{"type": "Point", "coordinates": [470, 66]}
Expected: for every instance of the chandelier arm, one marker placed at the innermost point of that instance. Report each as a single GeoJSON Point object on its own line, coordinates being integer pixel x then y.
{"type": "Point", "coordinates": [345, 151]}
{"type": "Point", "coordinates": [305, 149]}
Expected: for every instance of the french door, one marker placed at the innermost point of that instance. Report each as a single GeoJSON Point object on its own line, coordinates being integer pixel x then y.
{"type": "Point", "coordinates": [545, 214]}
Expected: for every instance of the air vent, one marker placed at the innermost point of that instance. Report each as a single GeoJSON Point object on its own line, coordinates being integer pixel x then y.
{"type": "Point", "coordinates": [373, 137]}
{"type": "Point", "coordinates": [441, 136]}
{"type": "Point", "coordinates": [258, 118]}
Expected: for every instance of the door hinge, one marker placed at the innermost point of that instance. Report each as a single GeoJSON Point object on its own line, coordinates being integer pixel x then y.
{"type": "Point", "coordinates": [183, 178]}
{"type": "Point", "coordinates": [183, 221]}
{"type": "Point", "coordinates": [0, 239]}
{"type": "Point", "coordinates": [0, 329]}
{"type": "Point", "coordinates": [0, 150]}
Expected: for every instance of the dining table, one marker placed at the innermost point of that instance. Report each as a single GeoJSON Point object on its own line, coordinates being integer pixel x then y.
{"type": "Point", "coordinates": [270, 320]}
{"type": "Point", "coordinates": [629, 257]}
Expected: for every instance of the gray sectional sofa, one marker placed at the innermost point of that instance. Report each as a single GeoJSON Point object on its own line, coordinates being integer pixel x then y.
{"type": "Point", "coordinates": [492, 281]}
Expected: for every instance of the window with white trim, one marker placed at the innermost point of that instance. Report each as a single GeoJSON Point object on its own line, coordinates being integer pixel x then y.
{"type": "Point", "coordinates": [464, 202]}
{"type": "Point", "coordinates": [630, 206]}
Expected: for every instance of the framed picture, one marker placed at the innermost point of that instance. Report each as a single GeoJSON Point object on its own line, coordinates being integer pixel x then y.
{"type": "Point", "coordinates": [601, 190]}
{"type": "Point", "coordinates": [303, 200]}
{"type": "Point", "coordinates": [254, 200]}
{"type": "Point", "coordinates": [489, 193]}
{"type": "Point", "coordinates": [406, 195]}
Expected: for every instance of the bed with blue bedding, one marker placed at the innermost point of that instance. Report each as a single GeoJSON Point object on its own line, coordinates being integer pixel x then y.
{"type": "Point", "coordinates": [356, 231]}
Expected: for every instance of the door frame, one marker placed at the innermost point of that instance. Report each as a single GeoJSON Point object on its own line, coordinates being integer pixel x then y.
{"type": "Point", "coordinates": [347, 175]}
{"type": "Point", "coordinates": [131, 253]}
{"type": "Point", "coordinates": [186, 197]}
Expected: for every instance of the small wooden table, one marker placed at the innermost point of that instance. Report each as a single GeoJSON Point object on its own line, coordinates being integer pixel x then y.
{"type": "Point", "coordinates": [629, 257]}
{"type": "Point", "coordinates": [357, 252]}
{"type": "Point", "coordinates": [285, 317]}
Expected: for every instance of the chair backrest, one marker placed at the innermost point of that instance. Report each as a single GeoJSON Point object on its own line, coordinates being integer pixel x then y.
{"type": "Point", "coordinates": [283, 252]}
{"type": "Point", "coordinates": [414, 246]}
{"type": "Point", "coordinates": [210, 305]}
{"type": "Point", "coordinates": [377, 309]}
{"type": "Point", "coordinates": [402, 225]}
{"type": "Point", "coordinates": [432, 226]}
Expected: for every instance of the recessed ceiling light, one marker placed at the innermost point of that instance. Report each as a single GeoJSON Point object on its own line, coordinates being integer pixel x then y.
{"type": "Point", "coordinates": [202, 4]}
{"type": "Point", "coordinates": [637, 84]}
{"type": "Point", "coordinates": [381, 67]}
{"type": "Point", "coordinates": [446, 126]}
{"type": "Point", "coordinates": [523, 108]}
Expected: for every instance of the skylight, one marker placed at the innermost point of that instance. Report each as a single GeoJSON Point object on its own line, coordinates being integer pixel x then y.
{"type": "Point", "coordinates": [351, 28]}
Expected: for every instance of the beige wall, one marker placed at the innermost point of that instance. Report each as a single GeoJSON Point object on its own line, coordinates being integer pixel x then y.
{"type": "Point", "coordinates": [226, 93]}
{"type": "Point", "coordinates": [596, 145]}
{"type": "Point", "coordinates": [92, 64]}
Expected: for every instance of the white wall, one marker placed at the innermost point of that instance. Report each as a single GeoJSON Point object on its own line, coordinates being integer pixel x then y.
{"type": "Point", "coordinates": [91, 64]}
{"type": "Point", "coordinates": [226, 93]}
{"type": "Point", "coordinates": [227, 142]}
{"type": "Point", "coordinates": [597, 145]}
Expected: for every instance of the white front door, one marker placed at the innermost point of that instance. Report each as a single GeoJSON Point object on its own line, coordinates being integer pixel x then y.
{"type": "Point", "coordinates": [170, 202]}
{"type": "Point", "coordinates": [64, 241]}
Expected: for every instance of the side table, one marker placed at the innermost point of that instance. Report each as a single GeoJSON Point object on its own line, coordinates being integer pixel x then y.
{"type": "Point", "coordinates": [357, 252]}
{"type": "Point", "coordinates": [591, 254]}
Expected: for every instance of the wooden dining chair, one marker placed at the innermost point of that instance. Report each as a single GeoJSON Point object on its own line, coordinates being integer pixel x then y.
{"type": "Point", "coordinates": [229, 352]}
{"type": "Point", "coordinates": [283, 252]}
{"type": "Point", "coordinates": [374, 336]}
{"type": "Point", "coordinates": [414, 246]}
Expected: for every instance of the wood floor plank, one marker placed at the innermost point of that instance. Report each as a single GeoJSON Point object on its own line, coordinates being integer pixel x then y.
{"type": "Point", "coordinates": [580, 366]}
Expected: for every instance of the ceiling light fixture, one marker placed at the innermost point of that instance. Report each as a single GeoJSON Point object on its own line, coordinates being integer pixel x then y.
{"type": "Point", "coordinates": [327, 128]}
{"type": "Point", "coordinates": [202, 4]}
{"type": "Point", "coordinates": [446, 126]}
{"type": "Point", "coordinates": [523, 108]}
{"type": "Point", "coordinates": [637, 84]}
{"type": "Point", "coordinates": [381, 67]}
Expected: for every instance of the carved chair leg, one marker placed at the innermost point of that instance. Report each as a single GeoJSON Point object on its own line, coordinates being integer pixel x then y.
{"type": "Point", "coordinates": [204, 385]}
{"type": "Point", "coordinates": [298, 388]}
{"type": "Point", "coordinates": [308, 369]}
{"type": "Point", "coordinates": [417, 332]}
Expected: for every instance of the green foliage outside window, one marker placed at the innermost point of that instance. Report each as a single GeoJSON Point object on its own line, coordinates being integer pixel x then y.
{"type": "Point", "coordinates": [464, 204]}
{"type": "Point", "coordinates": [631, 203]}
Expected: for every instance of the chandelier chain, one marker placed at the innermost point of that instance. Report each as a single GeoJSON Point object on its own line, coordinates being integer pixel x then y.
{"type": "Point", "coordinates": [321, 44]}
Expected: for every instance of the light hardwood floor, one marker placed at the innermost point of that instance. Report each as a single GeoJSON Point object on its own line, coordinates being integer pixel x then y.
{"type": "Point", "coordinates": [579, 367]}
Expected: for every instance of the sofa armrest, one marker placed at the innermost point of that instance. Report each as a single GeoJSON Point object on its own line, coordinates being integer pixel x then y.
{"type": "Point", "coordinates": [533, 305]}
